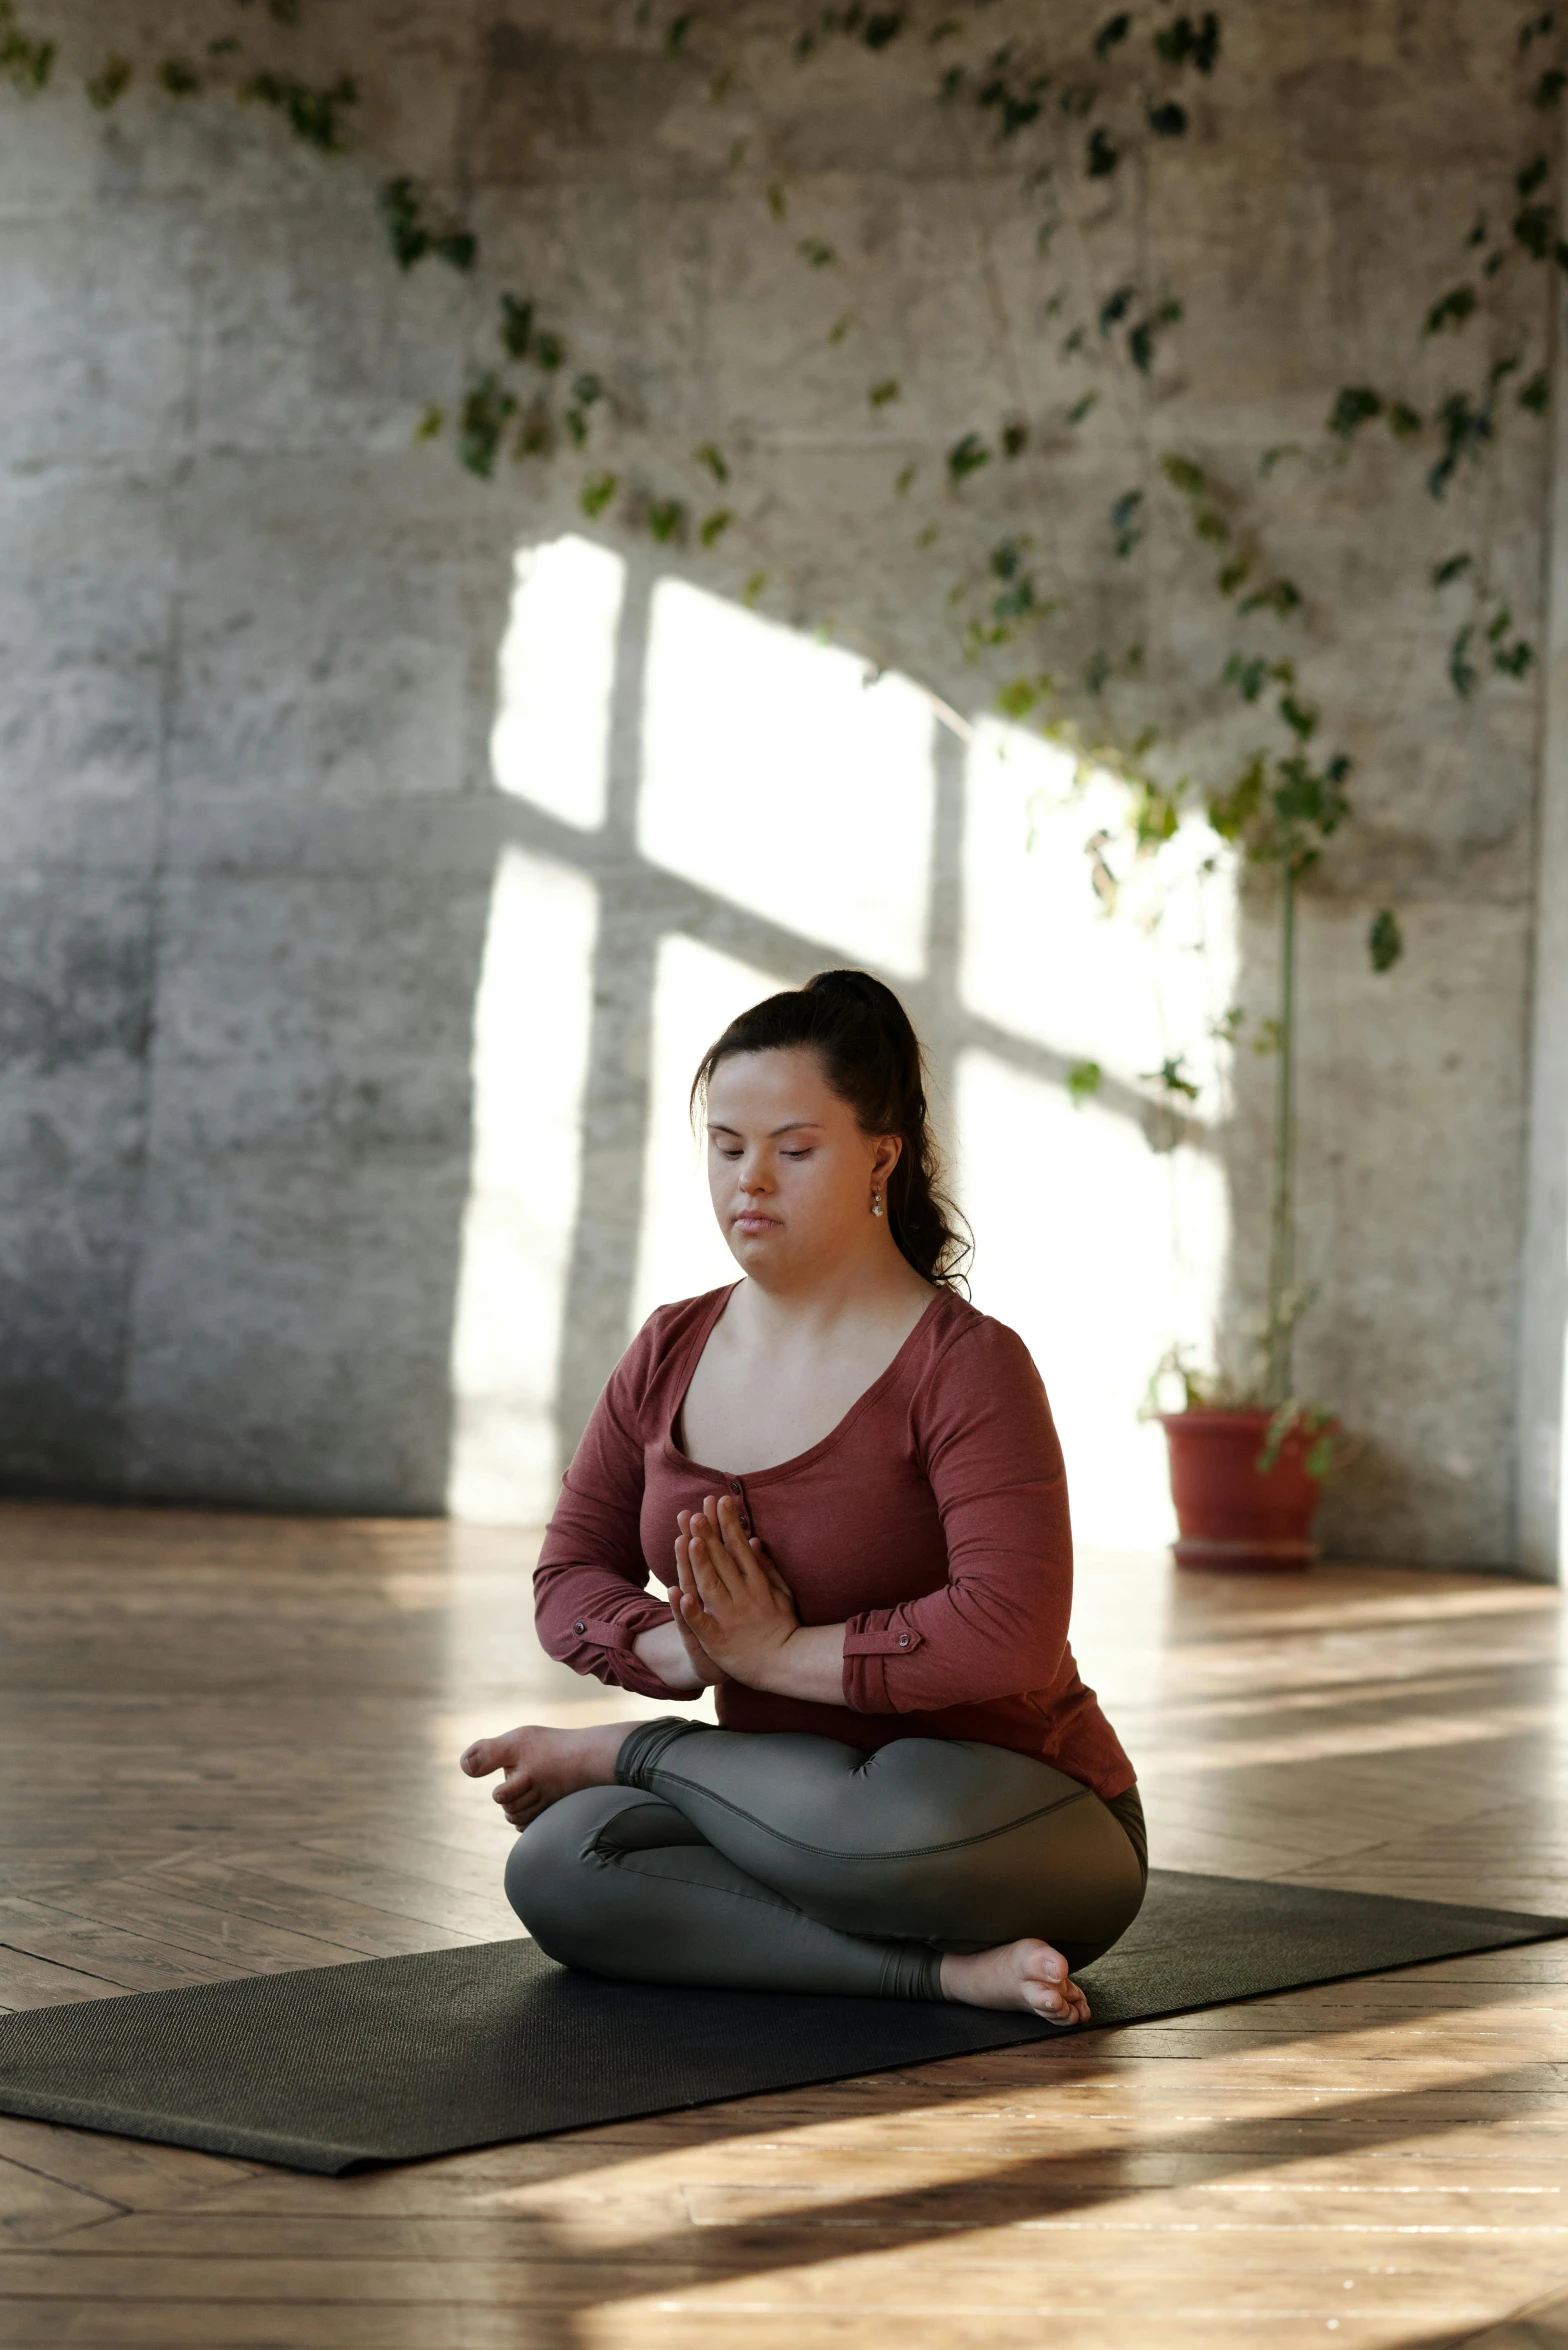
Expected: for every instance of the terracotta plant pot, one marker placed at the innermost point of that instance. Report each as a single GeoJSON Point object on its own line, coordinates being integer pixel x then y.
{"type": "Point", "coordinates": [1229, 1514]}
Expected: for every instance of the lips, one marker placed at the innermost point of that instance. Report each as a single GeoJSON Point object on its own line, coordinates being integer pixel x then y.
{"type": "Point", "coordinates": [752, 1222]}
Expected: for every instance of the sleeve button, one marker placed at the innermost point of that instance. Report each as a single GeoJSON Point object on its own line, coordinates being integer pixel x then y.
{"type": "Point", "coordinates": [579, 1627]}
{"type": "Point", "coordinates": [903, 1640]}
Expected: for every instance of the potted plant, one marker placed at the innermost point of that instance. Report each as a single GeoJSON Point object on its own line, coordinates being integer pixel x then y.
{"type": "Point", "coordinates": [1248, 1456]}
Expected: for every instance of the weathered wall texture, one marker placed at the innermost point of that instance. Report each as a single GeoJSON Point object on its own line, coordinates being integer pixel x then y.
{"type": "Point", "coordinates": [248, 646]}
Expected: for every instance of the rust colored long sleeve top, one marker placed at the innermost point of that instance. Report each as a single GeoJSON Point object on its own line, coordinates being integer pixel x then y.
{"type": "Point", "coordinates": [932, 1522]}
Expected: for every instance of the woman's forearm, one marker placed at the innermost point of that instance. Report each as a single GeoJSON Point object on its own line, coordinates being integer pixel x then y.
{"type": "Point", "coordinates": [664, 1652]}
{"type": "Point", "coordinates": [809, 1664]}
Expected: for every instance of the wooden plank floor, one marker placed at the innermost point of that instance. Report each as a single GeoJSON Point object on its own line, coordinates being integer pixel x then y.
{"type": "Point", "coordinates": [226, 1746]}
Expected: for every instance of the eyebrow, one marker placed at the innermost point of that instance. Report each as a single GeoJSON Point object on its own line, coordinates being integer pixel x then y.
{"type": "Point", "coordinates": [795, 1126]}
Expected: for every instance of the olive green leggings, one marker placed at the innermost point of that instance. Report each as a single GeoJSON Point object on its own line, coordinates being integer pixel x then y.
{"type": "Point", "coordinates": [771, 1861]}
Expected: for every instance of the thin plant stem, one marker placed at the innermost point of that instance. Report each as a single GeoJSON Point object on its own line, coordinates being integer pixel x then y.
{"type": "Point", "coordinates": [1282, 1238]}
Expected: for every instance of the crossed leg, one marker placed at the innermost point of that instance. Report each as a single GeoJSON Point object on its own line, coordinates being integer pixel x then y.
{"type": "Point", "coordinates": [665, 1851]}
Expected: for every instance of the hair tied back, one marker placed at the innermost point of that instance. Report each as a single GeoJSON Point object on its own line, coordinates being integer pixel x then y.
{"type": "Point", "coordinates": [870, 1055]}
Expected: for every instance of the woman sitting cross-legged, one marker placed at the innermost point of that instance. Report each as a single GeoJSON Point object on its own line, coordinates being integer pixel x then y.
{"type": "Point", "coordinates": [849, 1482]}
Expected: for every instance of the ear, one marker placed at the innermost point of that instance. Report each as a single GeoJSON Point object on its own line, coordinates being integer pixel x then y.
{"type": "Point", "coordinates": [889, 1150]}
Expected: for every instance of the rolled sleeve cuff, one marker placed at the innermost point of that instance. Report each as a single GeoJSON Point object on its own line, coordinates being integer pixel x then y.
{"type": "Point", "coordinates": [603, 1646]}
{"type": "Point", "coordinates": [873, 1645]}
{"type": "Point", "coordinates": [620, 1632]}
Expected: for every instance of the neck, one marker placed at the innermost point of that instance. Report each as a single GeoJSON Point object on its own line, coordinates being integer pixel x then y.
{"type": "Point", "coordinates": [868, 1282]}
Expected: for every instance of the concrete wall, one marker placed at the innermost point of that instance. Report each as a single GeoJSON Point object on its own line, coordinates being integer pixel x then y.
{"type": "Point", "coordinates": [261, 1166]}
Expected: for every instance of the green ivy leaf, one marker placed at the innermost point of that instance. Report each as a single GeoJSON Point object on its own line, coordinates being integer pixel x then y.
{"type": "Point", "coordinates": [1249, 674]}
{"type": "Point", "coordinates": [1385, 940]}
{"type": "Point", "coordinates": [597, 491]}
{"type": "Point", "coordinates": [459, 249]}
{"type": "Point", "coordinates": [1230, 813]}
{"type": "Point", "coordinates": [1125, 528]}
{"type": "Point", "coordinates": [713, 526]}
{"type": "Point", "coordinates": [1452, 567]}
{"type": "Point", "coordinates": [402, 214]}
{"type": "Point", "coordinates": [709, 455]}
{"type": "Point", "coordinates": [1172, 1076]}
{"type": "Point", "coordinates": [666, 519]}
{"type": "Point", "coordinates": [1083, 1082]}
{"type": "Point", "coordinates": [1103, 154]}
{"type": "Point", "coordinates": [967, 456]}
{"type": "Point", "coordinates": [817, 252]}
{"type": "Point", "coordinates": [1183, 475]}
{"type": "Point", "coordinates": [1403, 421]}
{"type": "Point", "coordinates": [1534, 227]}
{"type": "Point", "coordinates": [316, 116]}
{"type": "Point", "coordinates": [1550, 88]}
{"type": "Point", "coordinates": [1356, 405]}
{"type": "Point", "coordinates": [1168, 121]}
{"type": "Point", "coordinates": [110, 83]}
{"type": "Point", "coordinates": [883, 393]}
{"type": "Point", "coordinates": [1281, 596]}
{"type": "Point", "coordinates": [1465, 430]}
{"type": "Point", "coordinates": [487, 406]}
{"type": "Point", "coordinates": [1452, 310]}
{"type": "Point", "coordinates": [1111, 33]}
{"type": "Point", "coordinates": [1462, 674]}
{"type": "Point", "coordinates": [1536, 393]}
{"type": "Point", "coordinates": [1080, 408]}
{"type": "Point", "coordinates": [177, 76]}
{"type": "Point", "coordinates": [1186, 43]}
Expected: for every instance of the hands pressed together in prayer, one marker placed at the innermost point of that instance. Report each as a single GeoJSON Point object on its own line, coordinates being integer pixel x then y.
{"type": "Point", "coordinates": [736, 1617]}
{"type": "Point", "coordinates": [731, 1605]}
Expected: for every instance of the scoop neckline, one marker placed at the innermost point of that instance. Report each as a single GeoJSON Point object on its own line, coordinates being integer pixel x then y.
{"type": "Point", "coordinates": [799, 1460]}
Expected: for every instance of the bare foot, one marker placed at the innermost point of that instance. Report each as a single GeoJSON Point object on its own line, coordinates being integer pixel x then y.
{"type": "Point", "coordinates": [543, 1765]}
{"type": "Point", "coordinates": [1027, 1975]}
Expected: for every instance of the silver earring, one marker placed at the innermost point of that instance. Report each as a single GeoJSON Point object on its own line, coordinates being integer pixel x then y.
{"type": "Point", "coordinates": [876, 1203]}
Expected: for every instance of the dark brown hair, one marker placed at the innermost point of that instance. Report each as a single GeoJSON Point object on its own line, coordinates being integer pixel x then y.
{"type": "Point", "coordinates": [870, 1055]}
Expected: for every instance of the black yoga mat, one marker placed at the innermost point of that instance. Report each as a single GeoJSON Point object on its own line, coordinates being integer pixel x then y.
{"type": "Point", "coordinates": [389, 2059]}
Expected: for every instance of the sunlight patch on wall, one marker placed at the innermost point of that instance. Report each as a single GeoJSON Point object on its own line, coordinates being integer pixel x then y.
{"type": "Point", "coordinates": [1098, 1251]}
{"type": "Point", "coordinates": [775, 775]}
{"type": "Point", "coordinates": [556, 674]}
{"type": "Point", "coordinates": [530, 1057]}
{"type": "Point", "coordinates": [1043, 957]}
{"type": "Point", "coordinates": [697, 994]}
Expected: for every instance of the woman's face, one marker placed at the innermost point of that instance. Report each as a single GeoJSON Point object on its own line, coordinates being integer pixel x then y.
{"type": "Point", "coordinates": [790, 1172]}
